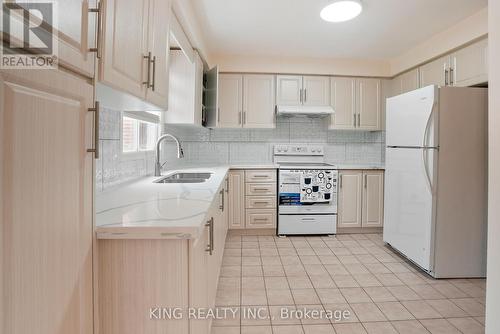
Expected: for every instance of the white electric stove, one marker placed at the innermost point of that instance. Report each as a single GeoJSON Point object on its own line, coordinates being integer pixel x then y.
{"type": "Point", "coordinates": [307, 190]}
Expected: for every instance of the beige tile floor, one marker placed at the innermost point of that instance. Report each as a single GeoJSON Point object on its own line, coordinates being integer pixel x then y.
{"type": "Point", "coordinates": [356, 273]}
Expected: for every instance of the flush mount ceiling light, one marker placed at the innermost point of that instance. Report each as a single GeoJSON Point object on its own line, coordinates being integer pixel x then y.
{"type": "Point", "coordinates": [341, 11]}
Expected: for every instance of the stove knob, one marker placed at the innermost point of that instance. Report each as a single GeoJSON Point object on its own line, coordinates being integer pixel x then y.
{"type": "Point", "coordinates": [328, 186]}
{"type": "Point", "coordinates": [321, 175]}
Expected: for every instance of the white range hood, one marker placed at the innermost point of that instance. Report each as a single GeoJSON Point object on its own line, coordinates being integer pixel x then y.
{"type": "Point", "coordinates": [304, 111]}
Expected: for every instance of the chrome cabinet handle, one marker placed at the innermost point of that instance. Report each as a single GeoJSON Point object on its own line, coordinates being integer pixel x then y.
{"type": "Point", "coordinates": [305, 95]}
{"type": "Point", "coordinates": [210, 246]}
{"type": "Point", "coordinates": [452, 79]}
{"type": "Point", "coordinates": [240, 117]}
{"type": "Point", "coordinates": [98, 47]}
{"type": "Point", "coordinates": [359, 120]}
{"type": "Point", "coordinates": [261, 219]}
{"type": "Point", "coordinates": [354, 120]}
{"type": "Point", "coordinates": [96, 112]}
{"type": "Point", "coordinates": [301, 95]}
{"type": "Point", "coordinates": [153, 84]}
{"type": "Point", "coordinates": [260, 176]}
{"type": "Point", "coordinates": [221, 206]}
{"type": "Point", "coordinates": [340, 183]}
{"type": "Point", "coordinates": [227, 185]}
{"type": "Point", "coordinates": [148, 81]}
{"type": "Point", "coordinates": [366, 180]}
{"type": "Point", "coordinates": [446, 72]}
{"type": "Point", "coordinates": [244, 118]}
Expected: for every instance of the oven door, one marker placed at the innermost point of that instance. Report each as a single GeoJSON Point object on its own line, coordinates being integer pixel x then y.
{"type": "Point", "coordinates": [289, 196]}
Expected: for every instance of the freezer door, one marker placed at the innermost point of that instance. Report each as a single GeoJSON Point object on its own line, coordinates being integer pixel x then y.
{"type": "Point", "coordinates": [409, 202]}
{"type": "Point", "coordinates": [412, 118]}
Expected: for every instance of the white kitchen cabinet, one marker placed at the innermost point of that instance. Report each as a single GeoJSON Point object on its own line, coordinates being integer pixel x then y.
{"type": "Point", "coordinates": [75, 33]}
{"type": "Point", "coordinates": [246, 101]}
{"type": "Point", "coordinates": [435, 72]}
{"type": "Point", "coordinates": [470, 65]}
{"type": "Point", "coordinates": [343, 103]}
{"type": "Point", "coordinates": [289, 90]}
{"type": "Point", "coordinates": [302, 90]}
{"type": "Point", "coordinates": [185, 105]}
{"type": "Point", "coordinates": [159, 44]}
{"type": "Point", "coordinates": [368, 104]}
{"type": "Point", "coordinates": [361, 199]}
{"type": "Point", "coordinates": [47, 183]}
{"type": "Point", "coordinates": [259, 101]}
{"type": "Point", "coordinates": [373, 199]}
{"type": "Point", "coordinates": [135, 48]}
{"type": "Point", "coordinates": [316, 91]}
{"type": "Point", "coordinates": [230, 101]}
{"type": "Point", "coordinates": [406, 82]}
{"type": "Point", "coordinates": [357, 104]}
{"type": "Point", "coordinates": [350, 195]}
{"type": "Point", "coordinates": [236, 198]}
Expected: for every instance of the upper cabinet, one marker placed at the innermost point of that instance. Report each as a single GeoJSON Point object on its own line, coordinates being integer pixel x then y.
{"type": "Point", "coordinates": [406, 82]}
{"type": "Point", "coordinates": [463, 68]}
{"type": "Point", "coordinates": [344, 103]}
{"type": "Point", "coordinates": [470, 65]}
{"type": "Point", "coordinates": [246, 101]}
{"type": "Point", "coordinates": [357, 104]}
{"type": "Point", "coordinates": [134, 54]}
{"type": "Point", "coordinates": [185, 90]}
{"type": "Point", "coordinates": [230, 114]}
{"type": "Point", "coordinates": [289, 90]}
{"type": "Point", "coordinates": [368, 104]}
{"type": "Point", "coordinates": [303, 90]}
{"type": "Point", "coordinates": [435, 72]}
{"type": "Point", "coordinates": [259, 101]}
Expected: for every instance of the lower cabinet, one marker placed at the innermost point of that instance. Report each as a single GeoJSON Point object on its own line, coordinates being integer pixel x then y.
{"type": "Point", "coordinates": [252, 199]}
{"type": "Point", "coordinates": [142, 285]}
{"type": "Point", "coordinates": [361, 199]}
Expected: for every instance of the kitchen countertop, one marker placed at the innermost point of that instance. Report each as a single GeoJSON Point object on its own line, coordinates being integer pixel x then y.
{"type": "Point", "coordinates": [145, 210]}
{"type": "Point", "coordinates": [360, 167]}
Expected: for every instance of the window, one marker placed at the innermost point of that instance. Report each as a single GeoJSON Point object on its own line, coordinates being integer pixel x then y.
{"type": "Point", "coordinates": [139, 132]}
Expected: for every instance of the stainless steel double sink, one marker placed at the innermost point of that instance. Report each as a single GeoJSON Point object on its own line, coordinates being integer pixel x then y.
{"type": "Point", "coordinates": [185, 178]}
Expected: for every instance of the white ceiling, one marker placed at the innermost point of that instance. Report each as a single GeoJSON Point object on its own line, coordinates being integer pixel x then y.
{"type": "Point", "coordinates": [385, 28]}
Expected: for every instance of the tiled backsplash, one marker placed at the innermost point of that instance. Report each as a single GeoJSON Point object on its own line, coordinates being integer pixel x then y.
{"type": "Point", "coordinates": [113, 167]}
{"type": "Point", "coordinates": [253, 146]}
{"type": "Point", "coordinates": [230, 146]}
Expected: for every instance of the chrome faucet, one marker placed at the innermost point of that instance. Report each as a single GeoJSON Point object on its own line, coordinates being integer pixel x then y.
{"type": "Point", "coordinates": [180, 152]}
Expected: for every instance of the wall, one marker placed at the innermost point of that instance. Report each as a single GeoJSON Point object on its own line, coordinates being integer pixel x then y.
{"type": "Point", "coordinates": [493, 285]}
{"type": "Point", "coordinates": [292, 65]}
{"type": "Point", "coordinates": [472, 28]}
{"type": "Point", "coordinates": [252, 146]}
{"type": "Point", "coordinates": [114, 168]}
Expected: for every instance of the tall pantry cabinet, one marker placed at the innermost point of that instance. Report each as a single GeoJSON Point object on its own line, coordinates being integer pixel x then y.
{"type": "Point", "coordinates": [47, 144]}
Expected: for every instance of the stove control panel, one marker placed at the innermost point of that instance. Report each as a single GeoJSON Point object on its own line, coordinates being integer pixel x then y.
{"type": "Point", "coordinates": [300, 150]}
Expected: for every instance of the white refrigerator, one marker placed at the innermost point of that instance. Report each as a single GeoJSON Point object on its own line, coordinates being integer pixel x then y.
{"type": "Point", "coordinates": [436, 179]}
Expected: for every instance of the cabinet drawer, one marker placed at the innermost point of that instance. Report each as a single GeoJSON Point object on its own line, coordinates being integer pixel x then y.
{"type": "Point", "coordinates": [257, 202]}
{"type": "Point", "coordinates": [259, 218]}
{"type": "Point", "coordinates": [260, 176]}
{"type": "Point", "coordinates": [259, 189]}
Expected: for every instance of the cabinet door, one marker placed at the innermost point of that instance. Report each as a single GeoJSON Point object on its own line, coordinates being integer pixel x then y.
{"type": "Point", "coordinates": [289, 90]}
{"type": "Point", "coordinates": [373, 199]}
{"type": "Point", "coordinates": [368, 104]}
{"type": "Point", "coordinates": [470, 65]}
{"type": "Point", "coordinates": [435, 73]}
{"type": "Point", "coordinates": [316, 91]}
{"type": "Point", "coordinates": [158, 43]}
{"type": "Point", "coordinates": [259, 101]}
{"type": "Point", "coordinates": [123, 65]}
{"type": "Point", "coordinates": [230, 101]}
{"type": "Point", "coordinates": [343, 103]}
{"type": "Point", "coordinates": [407, 82]}
{"type": "Point", "coordinates": [76, 35]}
{"type": "Point", "coordinates": [198, 282]}
{"type": "Point", "coordinates": [46, 183]}
{"type": "Point", "coordinates": [236, 197]}
{"type": "Point", "coordinates": [349, 211]}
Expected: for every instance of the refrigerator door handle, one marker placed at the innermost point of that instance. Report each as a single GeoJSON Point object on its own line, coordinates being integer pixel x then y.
{"type": "Point", "coordinates": [426, 168]}
{"type": "Point", "coordinates": [428, 126]}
